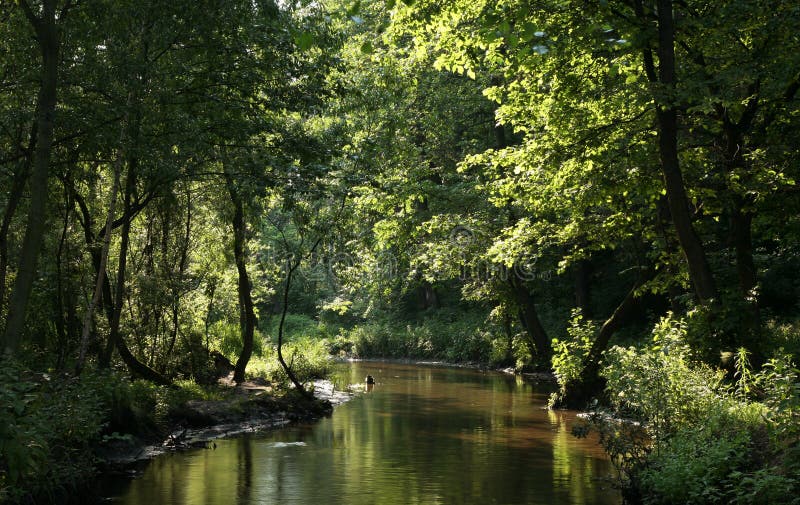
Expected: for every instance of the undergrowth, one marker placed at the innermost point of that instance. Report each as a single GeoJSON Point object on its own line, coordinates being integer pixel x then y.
{"type": "Point", "coordinates": [680, 431]}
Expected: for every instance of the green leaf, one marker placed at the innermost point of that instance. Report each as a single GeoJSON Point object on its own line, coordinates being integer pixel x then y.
{"type": "Point", "coordinates": [367, 48]}
{"type": "Point", "coordinates": [304, 41]}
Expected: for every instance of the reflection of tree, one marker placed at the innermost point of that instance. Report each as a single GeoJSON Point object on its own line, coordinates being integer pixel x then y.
{"type": "Point", "coordinates": [245, 473]}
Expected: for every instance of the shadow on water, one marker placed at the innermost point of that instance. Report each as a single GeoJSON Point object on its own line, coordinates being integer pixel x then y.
{"type": "Point", "coordinates": [422, 435]}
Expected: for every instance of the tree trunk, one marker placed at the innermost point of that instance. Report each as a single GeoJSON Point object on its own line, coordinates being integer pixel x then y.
{"type": "Point", "coordinates": [101, 270]}
{"type": "Point", "coordinates": [177, 283]}
{"type": "Point", "coordinates": [530, 320]}
{"type": "Point", "coordinates": [621, 314]}
{"type": "Point", "coordinates": [667, 118]}
{"type": "Point", "coordinates": [741, 225]}
{"type": "Point", "coordinates": [290, 268]}
{"type": "Point", "coordinates": [578, 393]}
{"type": "Point", "coordinates": [62, 321]}
{"type": "Point", "coordinates": [582, 300]}
{"type": "Point", "coordinates": [47, 33]}
{"type": "Point", "coordinates": [429, 298]}
{"type": "Point", "coordinates": [247, 316]}
{"type": "Point", "coordinates": [115, 338]}
{"type": "Point", "coordinates": [14, 197]}
{"type": "Point", "coordinates": [122, 265]}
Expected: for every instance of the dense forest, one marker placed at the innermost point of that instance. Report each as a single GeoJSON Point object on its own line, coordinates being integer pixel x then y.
{"type": "Point", "coordinates": [601, 189]}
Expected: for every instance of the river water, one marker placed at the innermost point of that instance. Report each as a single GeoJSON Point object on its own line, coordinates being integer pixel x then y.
{"type": "Point", "coordinates": [422, 435]}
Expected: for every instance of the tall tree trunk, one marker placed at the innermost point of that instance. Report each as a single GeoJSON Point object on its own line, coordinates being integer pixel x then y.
{"type": "Point", "coordinates": [134, 365]}
{"type": "Point", "coordinates": [114, 331]}
{"type": "Point", "coordinates": [741, 225]}
{"type": "Point", "coordinates": [290, 268]}
{"type": "Point", "coordinates": [247, 316]}
{"type": "Point", "coordinates": [741, 220]}
{"type": "Point", "coordinates": [177, 283]}
{"type": "Point", "coordinates": [115, 338]}
{"type": "Point", "coordinates": [61, 319]}
{"type": "Point", "coordinates": [47, 34]}
{"type": "Point", "coordinates": [667, 116]}
{"type": "Point", "coordinates": [667, 119]}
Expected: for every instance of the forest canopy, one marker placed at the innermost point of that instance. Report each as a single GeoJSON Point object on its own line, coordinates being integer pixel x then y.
{"type": "Point", "coordinates": [510, 183]}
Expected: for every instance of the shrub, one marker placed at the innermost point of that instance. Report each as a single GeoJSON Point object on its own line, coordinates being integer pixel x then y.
{"type": "Point", "coordinates": [48, 427]}
{"type": "Point", "coordinates": [294, 326]}
{"type": "Point", "coordinates": [707, 441]}
{"type": "Point", "coordinates": [661, 383]}
{"type": "Point", "coordinates": [570, 352]}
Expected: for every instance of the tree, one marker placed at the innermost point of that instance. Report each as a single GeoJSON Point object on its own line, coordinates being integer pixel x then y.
{"type": "Point", "coordinates": [47, 27]}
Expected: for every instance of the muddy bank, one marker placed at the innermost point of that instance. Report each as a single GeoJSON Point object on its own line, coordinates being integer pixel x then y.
{"type": "Point", "coordinates": [251, 408]}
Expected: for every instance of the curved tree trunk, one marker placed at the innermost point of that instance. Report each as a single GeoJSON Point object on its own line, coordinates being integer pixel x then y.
{"type": "Point", "coordinates": [115, 338]}
{"type": "Point", "coordinates": [667, 120]}
{"type": "Point", "coordinates": [578, 393]}
{"type": "Point", "coordinates": [290, 268]}
{"type": "Point", "coordinates": [101, 270]}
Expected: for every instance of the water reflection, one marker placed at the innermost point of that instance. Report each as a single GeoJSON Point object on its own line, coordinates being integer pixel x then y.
{"type": "Point", "coordinates": [423, 435]}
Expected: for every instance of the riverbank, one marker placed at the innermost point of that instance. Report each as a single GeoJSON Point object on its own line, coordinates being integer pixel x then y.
{"type": "Point", "coordinates": [250, 407]}
{"type": "Point", "coordinates": [536, 376]}
{"type": "Point", "coordinates": [61, 431]}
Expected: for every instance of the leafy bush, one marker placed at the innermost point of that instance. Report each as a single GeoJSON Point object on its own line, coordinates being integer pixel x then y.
{"type": "Point", "coordinates": [227, 337]}
{"type": "Point", "coordinates": [706, 440]}
{"type": "Point", "coordinates": [48, 427]}
{"type": "Point", "coordinates": [295, 326]}
{"type": "Point", "coordinates": [661, 383]}
{"type": "Point", "coordinates": [569, 353]}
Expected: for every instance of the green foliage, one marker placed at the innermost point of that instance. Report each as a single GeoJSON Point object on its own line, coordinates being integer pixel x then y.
{"type": "Point", "coordinates": [697, 465]}
{"type": "Point", "coordinates": [430, 150]}
{"type": "Point", "coordinates": [662, 383]}
{"type": "Point", "coordinates": [308, 357]}
{"type": "Point", "coordinates": [779, 382]}
{"type": "Point", "coordinates": [227, 337]}
{"type": "Point", "coordinates": [570, 352]}
{"type": "Point", "coordinates": [295, 326]}
{"type": "Point", "coordinates": [48, 426]}
{"type": "Point", "coordinates": [451, 336]}
{"type": "Point", "coordinates": [706, 441]}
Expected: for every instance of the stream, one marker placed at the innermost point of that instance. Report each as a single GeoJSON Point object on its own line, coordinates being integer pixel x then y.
{"type": "Point", "coordinates": [424, 434]}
